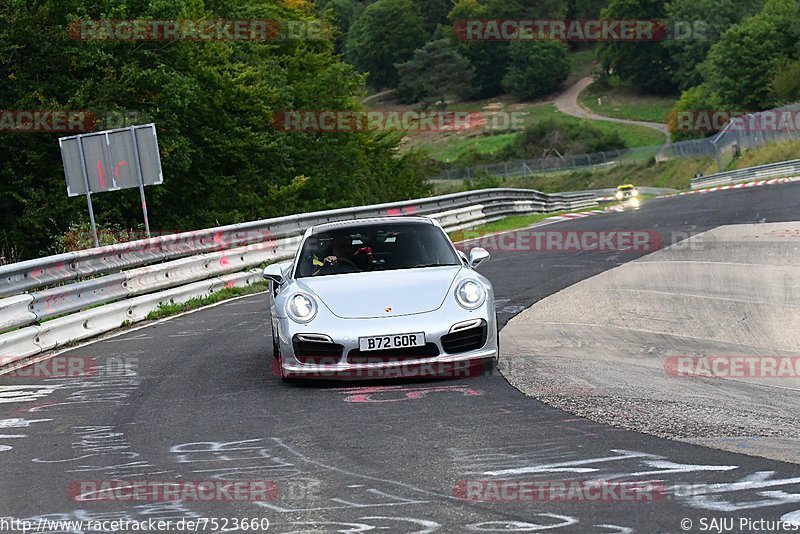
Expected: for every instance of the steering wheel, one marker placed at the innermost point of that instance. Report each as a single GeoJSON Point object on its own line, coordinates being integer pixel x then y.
{"type": "Point", "coordinates": [341, 262]}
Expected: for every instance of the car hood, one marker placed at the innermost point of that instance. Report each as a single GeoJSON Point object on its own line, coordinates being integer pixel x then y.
{"type": "Point", "coordinates": [366, 295]}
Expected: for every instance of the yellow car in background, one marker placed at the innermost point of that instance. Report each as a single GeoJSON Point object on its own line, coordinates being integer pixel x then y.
{"type": "Point", "coordinates": [629, 193]}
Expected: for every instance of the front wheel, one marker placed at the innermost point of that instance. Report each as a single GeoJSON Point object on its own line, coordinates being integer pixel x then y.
{"type": "Point", "coordinates": [281, 372]}
{"type": "Point", "coordinates": [275, 345]}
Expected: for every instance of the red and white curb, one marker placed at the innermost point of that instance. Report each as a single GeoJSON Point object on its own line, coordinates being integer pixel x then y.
{"type": "Point", "coordinates": [758, 183]}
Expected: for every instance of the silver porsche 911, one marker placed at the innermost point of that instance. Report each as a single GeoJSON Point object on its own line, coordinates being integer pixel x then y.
{"type": "Point", "coordinates": [381, 298]}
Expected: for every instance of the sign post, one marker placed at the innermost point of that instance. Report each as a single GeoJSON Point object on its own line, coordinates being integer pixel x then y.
{"type": "Point", "coordinates": [141, 183]}
{"type": "Point", "coordinates": [88, 193]}
{"type": "Point", "coordinates": [112, 160]}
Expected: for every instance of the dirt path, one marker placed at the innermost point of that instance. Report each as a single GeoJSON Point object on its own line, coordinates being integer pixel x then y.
{"type": "Point", "coordinates": [377, 95]}
{"type": "Point", "coordinates": [567, 102]}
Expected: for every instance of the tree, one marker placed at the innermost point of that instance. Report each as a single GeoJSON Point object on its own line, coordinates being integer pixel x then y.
{"type": "Point", "coordinates": [535, 68]}
{"type": "Point", "coordinates": [695, 103]}
{"type": "Point", "coordinates": [699, 24]}
{"type": "Point", "coordinates": [387, 33]}
{"type": "Point", "coordinates": [585, 9]}
{"type": "Point", "coordinates": [740, 67]}
{"type": "Point", "coordinates": [785, 83]}
{"type": "Point", "coordinates": [434, 13]}
{"type": "Point", "coordinates": [555, 138]}
{"type": "Point", "coordinates": [213, 104]}
{"type": "Point", "coordinates": [528, 9]}
{"type": "Point", "coordinates": [488, 58]}
{"type": "Point", "coordinates": [646, 65]}
{"type": "Point", "coordinates": [341, 14]}
{"type": "Point", "coordinates": [435, 71]}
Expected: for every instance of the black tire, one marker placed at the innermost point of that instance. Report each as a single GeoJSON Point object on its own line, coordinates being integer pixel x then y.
{"type": "Point", "coordinates": [275, 344]}
{"type": "Point", "coordinates": [285, 379]}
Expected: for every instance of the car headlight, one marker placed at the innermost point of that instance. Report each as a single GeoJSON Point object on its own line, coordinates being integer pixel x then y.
{"type": "Point", "coordinates": [635, 193]}
{"type": "Point", "coordinates": [470, 294]}
{"type": "Point", "coordinates": [301, 307]}
{"type": "Point", "coordinates": [635, 202]}
{"type": "Point", "coordinates": [619, 195]}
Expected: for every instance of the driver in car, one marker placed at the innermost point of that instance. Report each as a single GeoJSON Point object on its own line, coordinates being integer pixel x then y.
{"type": "Point", "coordinates": [341, 251]}
{"type": "Point", "coordinates": [341, 248]}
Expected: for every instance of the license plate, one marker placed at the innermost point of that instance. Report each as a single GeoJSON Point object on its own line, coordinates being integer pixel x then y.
{"type": "Point", "coordinates": [394, 341]}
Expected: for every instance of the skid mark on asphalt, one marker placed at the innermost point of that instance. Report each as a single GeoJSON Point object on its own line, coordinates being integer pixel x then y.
{"type": "Point", "coordinates": [378, 394]}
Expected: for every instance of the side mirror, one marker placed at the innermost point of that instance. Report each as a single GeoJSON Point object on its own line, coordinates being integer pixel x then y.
{"type": "Point", "coordinates": [274, 273]}
{"type": "Point", "coordinates": [478, 255]}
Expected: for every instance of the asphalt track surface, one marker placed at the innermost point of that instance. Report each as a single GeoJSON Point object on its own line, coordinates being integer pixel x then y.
{"type": "Point", "coordinates": [194, 398]}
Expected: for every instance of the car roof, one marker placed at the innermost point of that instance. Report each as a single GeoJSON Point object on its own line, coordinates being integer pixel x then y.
{"type": "Point", "coordinates": [625, 186]}
{"type": "Point", "coordinates": [355, 223]}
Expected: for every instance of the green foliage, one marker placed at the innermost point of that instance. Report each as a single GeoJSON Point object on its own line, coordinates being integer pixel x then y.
{"type": "Point", "coordinates": [535, 68]}
{"type": "Point", "coordinates": [434, 13]}
{"type": "Point", "coordinates": [552, 138]}
{"type": "Point", "coordinates": [79, 236]}
{"type": "Point", "coordinates": [697, 99]}
{"type": "Point", "coordinates": [740, 67]}
{"type": "Point", "coordinates": [585, 9]}
{"type": "Point", "coordinates": [527, 9]}
{"type": "Point", "coordinates": [213, 104]}
{"type": "Point", "coordinates": [340, 14]}
{"type": "Point", "coordinates": [436, 70]}
{"type": "Point", "coordinates": [387, 33]}
{"type": "Point", "coordinates": [482, 182]}
{"type": "Point", "coordinates": [488, 59]}
{"type": "Point", "coordinates": [647, 65]}
{"type": "Point", "coordinates": [167, 310]}
{"type": "Point", "coordinates": [785, 83]}
{"type": "Point", "coordinates": [708, 20]}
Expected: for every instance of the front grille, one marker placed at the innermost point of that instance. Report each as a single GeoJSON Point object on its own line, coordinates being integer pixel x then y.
{"type": "Point", "coordinates": [465, 340]}
{"type": "Point", "coordinates": [317, 352]}
{"type": "Point", "coordinates": [429, 350]}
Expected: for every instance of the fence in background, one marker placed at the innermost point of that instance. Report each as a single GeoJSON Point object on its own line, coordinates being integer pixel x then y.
{"type": "Point", "coordinates": [738, 135]}
{"type": "Point", "coordinates": [723, 146]}
{"type": "Point", "coordinates": [783, 169]}
{"type": "Point", "coordinates": [530, 167]}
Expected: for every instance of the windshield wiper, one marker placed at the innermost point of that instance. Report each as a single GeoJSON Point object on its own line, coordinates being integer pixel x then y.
{"type": "Point", "coordinates": [421, 265]}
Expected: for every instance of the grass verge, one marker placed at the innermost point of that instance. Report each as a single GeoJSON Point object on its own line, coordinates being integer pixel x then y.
{"type": "Point", "coordinates": [773, 153]}
{"type": "Point", "coordinates": [456, 145]}
{"type": "Point", "coordinates": [622, 102]}
{"type": "Point", "coordinates": [674, 174]}
{"type": "Point", "coordinates": [166, 310]}
{"type": "Point", "coordinates": [512, 222]}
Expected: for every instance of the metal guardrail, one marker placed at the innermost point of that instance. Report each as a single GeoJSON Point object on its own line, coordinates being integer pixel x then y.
{"type": "Point", "coordinates": [773, 170]}
{"type": "Point", "coordinates": [123, 282]}
{"type": "Point", "coordinates": [26, 275]}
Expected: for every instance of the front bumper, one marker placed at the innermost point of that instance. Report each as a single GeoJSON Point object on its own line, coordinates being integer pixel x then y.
{"type": "Point", "coordinates": [443, 366]}
{"type": "Point", "coordinates": [346, 333]}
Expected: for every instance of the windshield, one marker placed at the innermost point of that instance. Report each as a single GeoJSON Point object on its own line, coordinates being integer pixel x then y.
{"type": "Point", "coordinates": [379, 247]}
